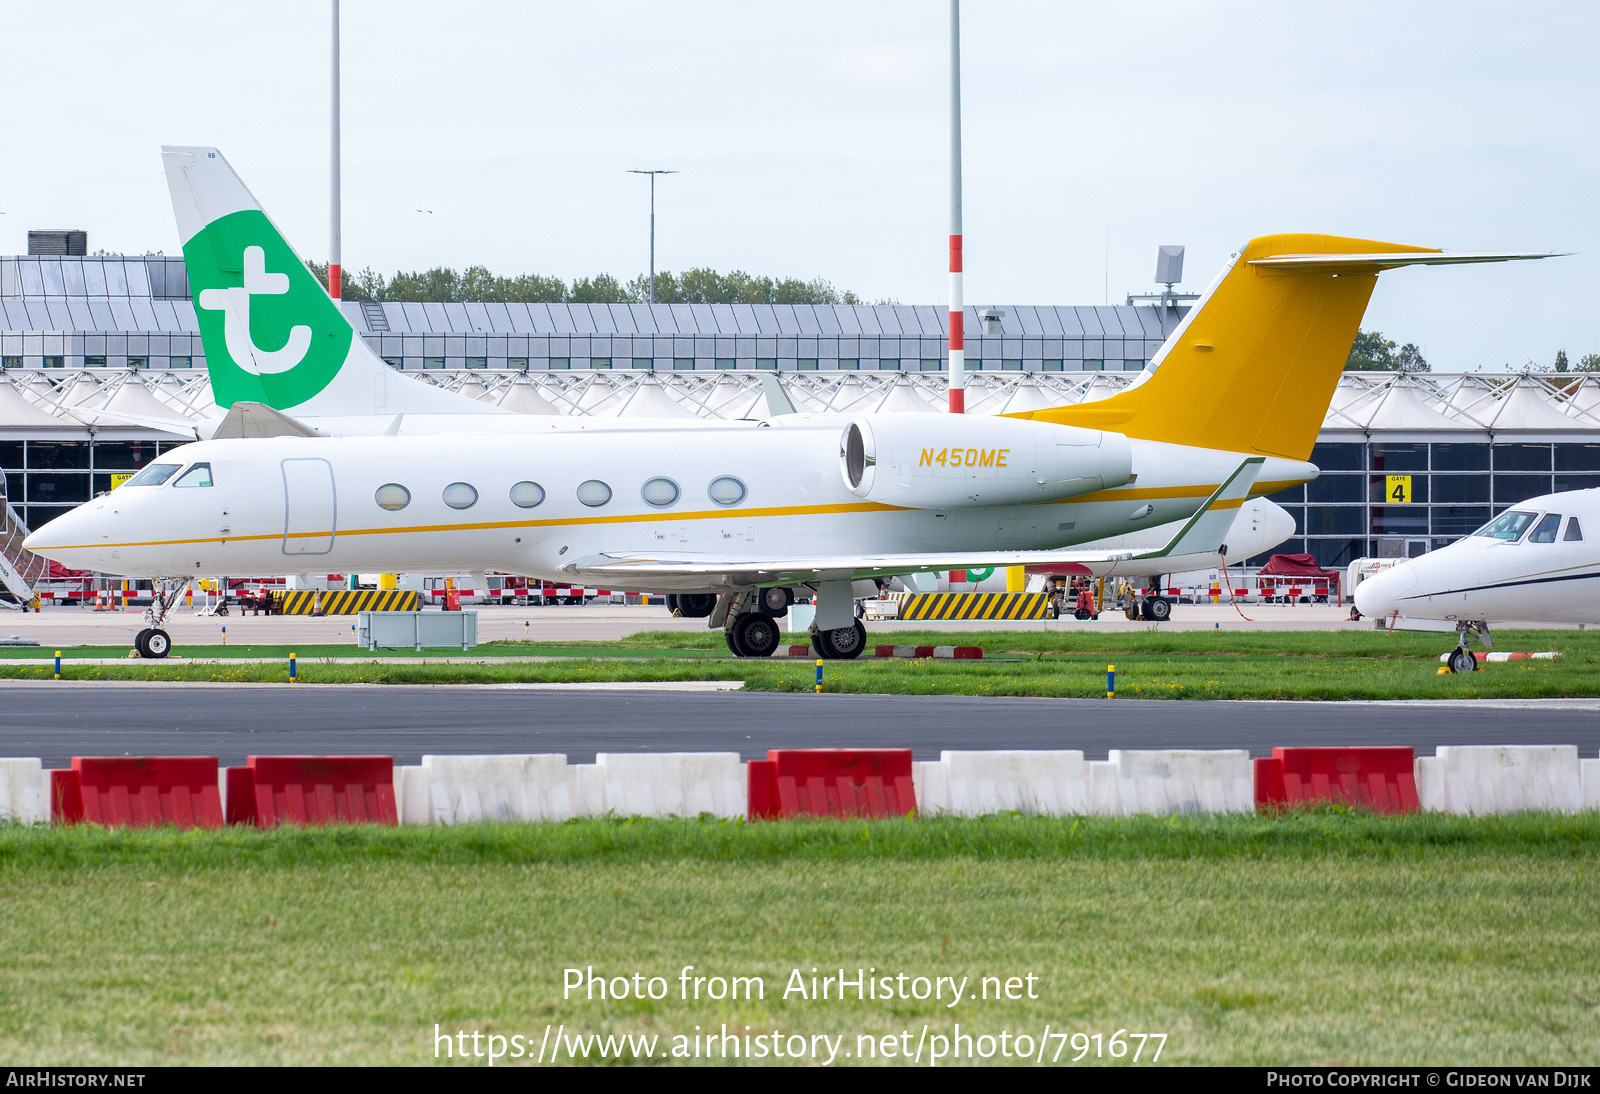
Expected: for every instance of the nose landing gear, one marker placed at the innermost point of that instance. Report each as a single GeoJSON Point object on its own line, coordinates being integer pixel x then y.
{"type": "Point", "coordinates": [154, 642]}
{"type": "Point", "coordinates": [1461, 658]}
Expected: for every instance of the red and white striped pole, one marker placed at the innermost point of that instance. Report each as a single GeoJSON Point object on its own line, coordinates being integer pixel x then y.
{"type": "Point", "coordinates": [958, 344]}
{"type": "Point", "coordinates": [335, 278]}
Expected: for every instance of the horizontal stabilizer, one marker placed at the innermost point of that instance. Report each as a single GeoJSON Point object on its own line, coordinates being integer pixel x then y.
{"type": "Point", "coordinates": [183, 427]}
{"type": "Point", "coordinates": [259, 420]}
{"type": "Point", "coordinates": [1372, 263]}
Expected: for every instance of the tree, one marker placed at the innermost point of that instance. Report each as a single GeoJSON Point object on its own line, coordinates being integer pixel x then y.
{"type": "Point", "coordinates": [1589, 362]}
{"type": "Point", "coordinates": [1371, 352]}
{"type": "Point", "coordinates": [1410, 359]}
{"type": "Point", "coordinates": [1561, 360]}
{"type": "Point", "coordinates": [600, 289]}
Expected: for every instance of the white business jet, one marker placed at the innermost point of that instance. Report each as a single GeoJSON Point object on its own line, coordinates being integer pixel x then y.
{"type": "Point", "coordinates": [756, 512]}
{"type": "Point", "coordinates": [1537, 562]}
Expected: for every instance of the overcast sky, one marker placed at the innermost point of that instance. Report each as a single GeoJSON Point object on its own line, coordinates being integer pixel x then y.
{"type": "Point", "coordinates": [812, 141]}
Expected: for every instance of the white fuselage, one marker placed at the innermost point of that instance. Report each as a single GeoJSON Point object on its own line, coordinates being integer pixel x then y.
{"type": "Point", "coordinates": [1548, 571]}
{"type": "Point", "coordinates": [302, 505]}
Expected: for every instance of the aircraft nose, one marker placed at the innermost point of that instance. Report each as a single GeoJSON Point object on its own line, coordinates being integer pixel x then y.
{"type": "Point", "coordinates": [1380, 594]}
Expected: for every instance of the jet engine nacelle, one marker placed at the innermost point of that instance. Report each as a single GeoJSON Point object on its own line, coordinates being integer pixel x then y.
{"type": "Point", "coordinates": [945, 461]}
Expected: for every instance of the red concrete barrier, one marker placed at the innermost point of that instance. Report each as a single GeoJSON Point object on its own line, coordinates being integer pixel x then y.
{"type": "Point", "coordinates": [138, 792]}
{"type": "Point", "coordinates": [831, 782]}
{"type": "Point", "coordinates": [1382, 779]}
{"type": "Point", "coordinates": [312, 790]}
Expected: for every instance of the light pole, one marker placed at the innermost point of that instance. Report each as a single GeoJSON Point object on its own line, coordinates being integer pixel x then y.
{"type": "Point", "coordinates": [652, 173]}
{"type": "Point", "coordinates": [335, 271]}
{"type": "Point", "coordinates": [958, 343]}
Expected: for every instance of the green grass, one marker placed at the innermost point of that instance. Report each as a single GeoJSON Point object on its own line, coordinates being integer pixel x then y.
{"type": "Point", "coordinates": [1155, 664]}
{"type": "Point", "coordinates": [1326, 937]}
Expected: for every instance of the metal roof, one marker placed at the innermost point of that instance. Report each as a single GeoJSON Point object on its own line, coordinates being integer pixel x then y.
{"type": "Point", "coordinates": [1364, 404]}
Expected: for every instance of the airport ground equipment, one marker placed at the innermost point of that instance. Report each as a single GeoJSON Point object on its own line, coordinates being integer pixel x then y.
{"type": "Point", "coordinates": [939, 606]}
{"type": "Point", "coordinates": [20, 568]}
{"type": "Point", "coordinates": [346, 601]}
{"type": "Point", "coordinates": [416, 630]}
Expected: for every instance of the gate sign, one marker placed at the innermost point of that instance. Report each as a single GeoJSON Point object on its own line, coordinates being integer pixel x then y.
{"type": "Point", "coordinates": [118, 480]}
{"type": "Point", "coordinates": [1397, 488]}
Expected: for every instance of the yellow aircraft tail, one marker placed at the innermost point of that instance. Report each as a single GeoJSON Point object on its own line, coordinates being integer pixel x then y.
{"type": "Point", "coordinates": [1253, 367]}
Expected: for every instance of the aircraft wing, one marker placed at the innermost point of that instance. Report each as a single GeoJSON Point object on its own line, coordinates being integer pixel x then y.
{"type": "Point", "coordinates": [1202, 533]}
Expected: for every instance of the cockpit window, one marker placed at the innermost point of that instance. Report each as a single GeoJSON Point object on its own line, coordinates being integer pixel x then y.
{"type": "Point", "coordinates": [1507, 526]}
{"type": "Point", "coordinates": [154, 475]}
{"type": "Point", "coordinates": [1574, 533]}
{"type": "Point", "coordinates": [1545, 531]}
{"type": "Point", "coordinates": [198, 475]}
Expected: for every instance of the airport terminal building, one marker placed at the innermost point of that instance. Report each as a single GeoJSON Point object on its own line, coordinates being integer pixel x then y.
{"type": "Point", "coordinates": [1409, 462]}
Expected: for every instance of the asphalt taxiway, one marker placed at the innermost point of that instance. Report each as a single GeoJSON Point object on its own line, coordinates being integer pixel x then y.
{"type": "Point", "coordinates": [56, 721]}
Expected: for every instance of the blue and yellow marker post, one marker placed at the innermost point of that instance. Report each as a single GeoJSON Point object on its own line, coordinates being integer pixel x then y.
{"type": "Point", "coordinates": [1111, 681]}
{"type": "Point", "coordinates": [58, 667]}
{"type": "Point", "coordinates": [819, 677]}
{"type": "Point", "coordinates": [291, 667]}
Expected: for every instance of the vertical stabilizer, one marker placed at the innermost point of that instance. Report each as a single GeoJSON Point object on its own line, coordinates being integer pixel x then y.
{"type": "Point", "coordinates": [272, 334]}
{"type": "Point", "coordinates": [1253, 367]}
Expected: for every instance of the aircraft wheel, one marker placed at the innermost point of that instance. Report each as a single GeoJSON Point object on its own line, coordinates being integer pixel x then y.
{"type": "Point", "coordinates": [755, 633]}
{"type": "Point", "coordinates": [1462, 660]}
{"type": "Point", "coordinates": [672, 604]}
{"type": "Point", "coordinates": [775, 601]}
{"type": "Point", "coordinates": [157, 643]}
{"type": "Point", "coordinates": [697, 605]}
{"type": "Point", "coordinates": [1158, 609]}
{"type": "Point", "coordinates": [733, 643]}
{"type": "Point", "coordinates": [138, 642]}
{"type": "Point", "coordinates": [842, 644]}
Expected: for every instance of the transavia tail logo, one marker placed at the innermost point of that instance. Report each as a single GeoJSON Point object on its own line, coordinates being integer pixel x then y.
{"type": "Point", "coordinates": [234, 304]}
{"type": "Point", "coordinates": [271, 333]}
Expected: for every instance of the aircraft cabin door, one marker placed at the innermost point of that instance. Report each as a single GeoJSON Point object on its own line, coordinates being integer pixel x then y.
{"type": "Point", "coordinates": [308, 507]}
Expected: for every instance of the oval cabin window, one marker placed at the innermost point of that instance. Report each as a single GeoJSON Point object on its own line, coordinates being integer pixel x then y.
{"type": "Point", "coordinates": [393, 497]}
{"type": "Point", "coordinates": [525, 495]}
{"type": "Point", "coordinates": [726, 490]}
{"type": "Point", "coordinates": [594, 493]}
{"type": "Point", "coordinates": [660, 492]}
{"type": "Point", "coordinates": [460, 495]}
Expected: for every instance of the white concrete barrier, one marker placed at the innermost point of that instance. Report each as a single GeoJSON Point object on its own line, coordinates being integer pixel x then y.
{"type": "Point", "coordinates": [24, 791]}
{"type": "Point", "coordinates": [411, 795]}
{"type": "Point", "coordinates": [464, 789]}
{"type": "Point", "coordinates": [1103, 789]}
{"type": "Point", "coordinates": [1183, 781]}
{"type": "Point", "coordinates": [587, 788]}
{"type": "Point", "coordinates": [930, 780]}
{"type": "Point", "coordinates": [1050, 783]}
{"type": "Point", "coordinates": [1590, 770]}
{"type": "Point", "coordinates": [665, 784]}
{"type": "Point", "coordinates": [1478, 779]}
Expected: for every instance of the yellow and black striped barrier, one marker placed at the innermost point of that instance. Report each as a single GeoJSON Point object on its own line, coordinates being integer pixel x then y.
{"type": "Point", "coordinates": [974, 606]}
{"type": "Point", "coordinates": [349, 601]}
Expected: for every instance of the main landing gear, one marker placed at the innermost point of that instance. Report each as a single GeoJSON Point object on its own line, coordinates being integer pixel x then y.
{"type": "Point", "coordinates": [1462, 659]}
{"type": "Point", "coordinates": [154, 642]}
{"type": "Point", "coordinates": [749, 620]}
{"type": "Point", "coordinates": [692, 605]}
